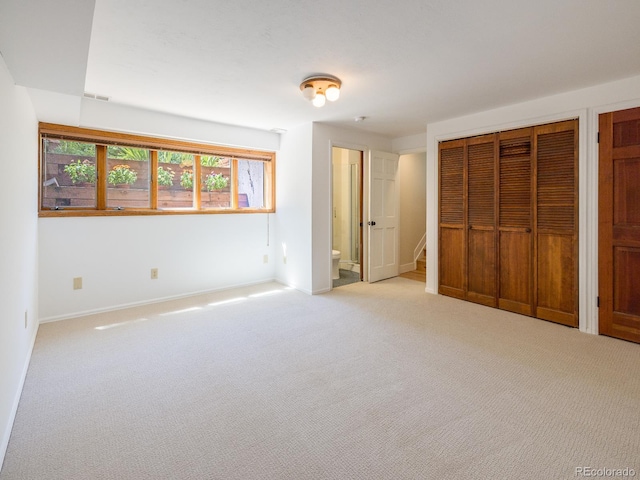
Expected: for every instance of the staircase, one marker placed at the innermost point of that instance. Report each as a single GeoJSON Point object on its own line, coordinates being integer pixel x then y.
{"type": "Point", "coordinates": [420, 273]}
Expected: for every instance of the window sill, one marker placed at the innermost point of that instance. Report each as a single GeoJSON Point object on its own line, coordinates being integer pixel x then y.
{"type": "Point", "coordinates": [142, 212]}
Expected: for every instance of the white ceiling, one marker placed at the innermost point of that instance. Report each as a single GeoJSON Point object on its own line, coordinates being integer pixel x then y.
{"type": "Point", "coordinates": [403, 63]}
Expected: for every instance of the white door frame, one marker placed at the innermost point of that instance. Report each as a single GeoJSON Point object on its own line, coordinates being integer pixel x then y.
{"type": "Point", "coordinates": [364, 266]}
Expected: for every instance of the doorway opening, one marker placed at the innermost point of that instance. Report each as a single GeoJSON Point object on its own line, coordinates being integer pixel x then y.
{"type": "Point", "coordinates": [346, 216]}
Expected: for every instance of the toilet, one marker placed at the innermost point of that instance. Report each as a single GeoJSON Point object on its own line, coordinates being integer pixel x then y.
{"type": "Point", "coordinates": [335, 269]}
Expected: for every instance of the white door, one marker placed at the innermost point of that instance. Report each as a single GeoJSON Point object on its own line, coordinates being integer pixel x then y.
{"type": "Point", "coordinates": [383, 216]}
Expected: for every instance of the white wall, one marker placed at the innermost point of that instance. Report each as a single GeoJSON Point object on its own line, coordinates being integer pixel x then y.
{"type": "Point", "coordinates": [324, 138]}
{"type": "Point", "coordinates": [110, 116]}
{"type": "Point", "coordinates": [410, 144]}
{"type": "Point", "coordinates": [114, 257]}
{"type": "Point", "coordinates": [412, 170]}
{"type": "Point", "coordinates": [194, 253]}
{"type": "Point", "coordinates": [293, 215]}
{"type": "Point", "coordinates": [584, 104]}
{"type": "Point", "coordinates": [18, 249]}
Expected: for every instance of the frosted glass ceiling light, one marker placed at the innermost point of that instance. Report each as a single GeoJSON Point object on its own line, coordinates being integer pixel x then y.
{"type": "Point", "coordinates": [318, 100]}
{"type": "Point", "coordinates": [320, 88]}
{"type": "Point", "coordinates": [308, 92]}
{"type": "Point", "coordinates": [332, 93]}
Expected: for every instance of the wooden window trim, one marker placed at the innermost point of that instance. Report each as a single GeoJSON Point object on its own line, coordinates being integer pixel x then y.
{"type": "Point", "coordinates": [102, 139]}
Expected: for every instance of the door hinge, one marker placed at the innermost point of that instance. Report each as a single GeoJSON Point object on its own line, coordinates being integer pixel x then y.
{"type": "Point", "coordinates": [598, 302]}
{"type": "Point", "coordinates": [598, 137]}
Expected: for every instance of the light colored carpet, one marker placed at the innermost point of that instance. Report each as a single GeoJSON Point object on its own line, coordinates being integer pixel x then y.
{"type": "Point", "coordinates": [374, 381]}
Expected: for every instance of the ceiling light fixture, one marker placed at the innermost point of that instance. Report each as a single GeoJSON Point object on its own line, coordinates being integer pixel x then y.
{"type": "Point", "coordinates": [320, 88]}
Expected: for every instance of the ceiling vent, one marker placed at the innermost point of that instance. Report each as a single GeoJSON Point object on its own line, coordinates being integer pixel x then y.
{"type": "Point", "coordinates": [104, 98]}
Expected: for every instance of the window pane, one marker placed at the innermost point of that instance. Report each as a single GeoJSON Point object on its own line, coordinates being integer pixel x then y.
{"type": "Point", "coordinates": [175, 180]}
{"type": "Point", "coordinates": [215, 182]}
{"type": "Point", "coordinates": [251, 184]}
{"type": "Point", "coordinates": [68, 174]}
{"type": "Point", "coordinates": [128, 177]}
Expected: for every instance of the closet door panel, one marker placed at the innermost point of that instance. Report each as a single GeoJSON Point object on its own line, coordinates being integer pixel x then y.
{"type": "Point", "coordinates": [482, 267]}
{"type": "Point", "coordinates": [481, 251]}
{"type": "Point", "coordinates": [556, 278]}
{"type": "Point", "coordinates": [452, 269]}
{"type": "Point", "coordinates": [556, 214]}
{"type": "Point", "coordinates": [452, 212]}
{"type": "Point", "coordinates": [515, 241]}
{"type": "Point", "coordinates": [515, 272]}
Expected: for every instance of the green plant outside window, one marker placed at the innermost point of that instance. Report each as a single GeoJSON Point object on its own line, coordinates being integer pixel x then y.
{"type": "Point", "coordinates": [186, 179]}
{"type": "Point", "coordinates": [165, 176]}
{"type": "Point", "coordinates": [122, 175]}
{"type": "Point", "coordinates": [81, 171]}
{"type": "Point", "coordinates": [216, 181]}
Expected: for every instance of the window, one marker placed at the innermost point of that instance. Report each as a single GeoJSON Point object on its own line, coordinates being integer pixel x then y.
{"type": "Point", "coordinates": [91, 172]}
{"type": "Point", "coordinates": [175, 180]}
{"type": "Point", "coordinates": [128, 178]}
{"type": "Point", "coordinates": [69, 174]}
{"type": "Point", "coordinates": [215, 185]}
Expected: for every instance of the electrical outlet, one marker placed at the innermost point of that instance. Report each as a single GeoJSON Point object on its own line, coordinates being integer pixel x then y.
{"type": "Point", "coordinates": [154, 274]}
{"type": "Point", "coordinates": [26, 317]}
{"type": "Point", "coordinates": [265, 259]}
{"type": "Point", "coordinates": [77, 283]}
{"type": "Point", "coordinates": [284, 260]}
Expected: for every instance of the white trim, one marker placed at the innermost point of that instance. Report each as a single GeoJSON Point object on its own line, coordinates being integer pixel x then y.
{"type": "Point", "coordinates": [407, 267]}
{"type": "Point", "coordinates": [365, 192]}
{"type": "Point", "coordinates": [320, 291]}
{"type": "Point", "coordinates": [417, 252]}
{"type": "Point", "coordinates": [16, 401]}
{"type": "Point", "coordinates": [56, 318]}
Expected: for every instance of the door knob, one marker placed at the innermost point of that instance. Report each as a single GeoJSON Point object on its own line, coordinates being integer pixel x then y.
{"type": "Point", "coordinates": [371, 223]}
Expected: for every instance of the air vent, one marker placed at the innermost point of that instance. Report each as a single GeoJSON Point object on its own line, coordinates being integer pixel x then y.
{"type": "Point", "coordinates": [104, 98]}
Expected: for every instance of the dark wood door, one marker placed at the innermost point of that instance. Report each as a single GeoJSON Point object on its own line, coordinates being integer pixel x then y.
{"type": "Point", "coordinates": [556, 222]}
{"type": "Point", "coordinates": [515, 240]}
{"type": "Point", "coordinates": [452, 269]}
{"type": "Point", "coordinates": [481, 235]}
{"type": "Point", "coordinates": [619, 224]}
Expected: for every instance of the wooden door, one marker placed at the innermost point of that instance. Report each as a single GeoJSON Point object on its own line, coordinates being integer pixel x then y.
{"type": "Point", "coordinates": [619, 224]}
{"type": "Point", "coordinates": [515, 240]}
{"type": "Point", "coordinates": [556, 222]}
{"type": "Point", "coordinates": [481, 236]}
{"type": "Point", "coordinates": [383, 216]}
{"type": "Point", "coordinates": [452, 232]}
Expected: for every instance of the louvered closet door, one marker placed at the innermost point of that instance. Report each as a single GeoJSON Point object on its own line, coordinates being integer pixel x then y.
{"type": "Point", "coordinates": [481, 240]}
{"type": "Point", "coordinates": [515, 241]}
{"type": "Point", "coordinates": [555, 152]}
{"type": "Point", "coordinates": [452, 240]}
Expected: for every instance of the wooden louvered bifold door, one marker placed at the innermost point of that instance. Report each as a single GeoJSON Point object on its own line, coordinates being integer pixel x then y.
{"type": "Point", "coordinates": [515, 240]}
{"type": "Point", "coordinates": [481, 240]}
{"type": "Point", "coordinates": [556, 274]}
{"type": "Point", "coordinates": [452, 241]}
{"type": "Point", "coordinates": [509, 220]}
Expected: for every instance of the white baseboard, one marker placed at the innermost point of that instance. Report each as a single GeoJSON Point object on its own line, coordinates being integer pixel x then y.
{"type": "Point", "coordinates": [407, 267]}
{"type": "Point", "coordinates": [113, 308]}
{"type": "Point", "coordinates": [14, 408]}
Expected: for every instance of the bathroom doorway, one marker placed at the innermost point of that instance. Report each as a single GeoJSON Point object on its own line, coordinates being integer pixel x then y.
{"type": "Point", "coordinates": [347, 216]}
